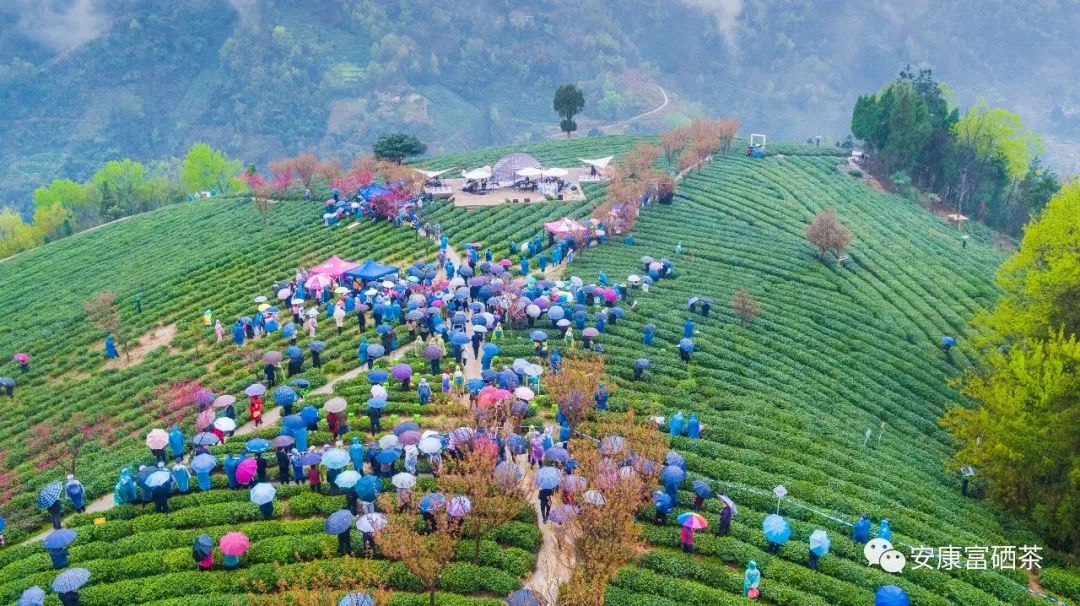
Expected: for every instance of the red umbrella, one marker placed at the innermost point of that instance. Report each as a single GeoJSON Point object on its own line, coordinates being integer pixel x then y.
{"type": "Point", "coordinates": [234, 543]}
{"type": "Point", "coordinates": [246, 471]}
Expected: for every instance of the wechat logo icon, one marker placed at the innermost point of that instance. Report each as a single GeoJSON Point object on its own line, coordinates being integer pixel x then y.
{"type": "Point", "coordinates": [880, 552]}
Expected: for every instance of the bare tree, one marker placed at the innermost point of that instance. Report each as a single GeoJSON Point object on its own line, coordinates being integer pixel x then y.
{"type": "Point", "coordinates": [573, 387]}
{"type": "Point", "coordinates": [425, 555]}
{"type": "Point", "coordinates": [744, 306]}
{"type": "Point", "coordinates": [828, 234]}
{"type": "Point", "coordinates": [495, 501]}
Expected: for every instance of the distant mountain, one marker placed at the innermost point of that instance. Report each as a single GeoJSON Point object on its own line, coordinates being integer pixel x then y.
{"type": "Point", "coordinates": [85, 81]}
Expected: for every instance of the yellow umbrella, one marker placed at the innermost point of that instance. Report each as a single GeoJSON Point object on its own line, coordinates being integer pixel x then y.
{"type": "Point", "coordinates": [264, 307]}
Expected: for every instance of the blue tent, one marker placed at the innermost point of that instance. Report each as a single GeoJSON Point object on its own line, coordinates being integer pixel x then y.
{"type": "Point", "coordinates": [371, 270]}
{"type": "Point", "coordinates": [374, 190]}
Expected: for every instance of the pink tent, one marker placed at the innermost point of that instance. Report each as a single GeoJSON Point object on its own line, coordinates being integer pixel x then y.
{"type": "Point", "coordinates": [334, 266]}
{"type": "Point", "coordinates": [566, 227]}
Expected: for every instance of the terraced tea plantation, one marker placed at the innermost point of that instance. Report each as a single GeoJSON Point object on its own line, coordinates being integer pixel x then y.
{"type": "Point", "coordinates": [787, 399]}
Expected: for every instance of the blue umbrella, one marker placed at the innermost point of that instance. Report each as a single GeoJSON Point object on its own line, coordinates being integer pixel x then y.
{"type": "Point", "coordinates": [204, 544]}
{"type": "Point", "coordinates": [432, 501]}
{"type": "Point", "coordinates": [204, 438]}
{"type": "Point", "coordinates": [522, 597]}
{"type": "Point", "coordinates": [158, 478]}
{"type": "Point", "coordinates": [367, 488]}
{"type": "Point", "coordinates": [474, 384]}
{"type": "Point", "coordinates": [310, 458]}
{"type": "Point", "coordinates": [262, 493]}
{"type": "Point", "coordinates": [377, 403]}
{"type": "Point", "coordinates": [49, 495]}
{"type": "Point", "coordinates": [686, 345]}
{"type": "Point", "coordinates": [491, 349]}
{"type": "Point", "coordinates": [257, 445]}
{"type": "Point", "coordinates": [284, 395]}
{"type": "Point", "coordinates": [556, 313]}
{"type": "Point", "coordinates": [489, 374]}
{"type": "Point", "coordinates": [377, 376]}
{"type": "Point", "coordinates": [891, 595]}
{"type": "Point", "coordinates": [386, 457]}
{"type": "Point", "coordinates": [294, 352]}
{"type": "Point", "coordinates": [58, 539]}
{"type": "Point", "coordinates": [335, 458]}
{"type": "Point", "coordinates": [819, 542]}
{"type": "Point", "coordinates": [317, 346]}
{"type": "Point", "coordinates": [301, 383]}
{"type": "Point", "coordinates": [32, 597]}
{"type": "Point", "coordinates": [375, 350]}
{"type": "Point", "coordinates": [347, 479]}
{"type": "Point", "coordinates": [70, 580]}
{"type": "Point", "coordinates": [310, 415]}
{"type": "Point", "coordinates": [547, 477]}
{"type": "Point", "coordinates": [702, 489]}
{"type": "Point", "coordinates": [672, 475]}
{"type": "Point", "coordinates": [557, 454]}
{"type": "Point", "coordinates": [676, 459]}
{"type": "Point", "coordinates": [384, 329]}
{"type": "Point", "coordinates": [293, 422]}
{"type": "Point", "coordinates": [661, 499]}
{"type": "Point", "coordinates": [459, 338]}
{"type": "Point", "coordinates": [538, 335]}
{"type": "Point", "coordinates": [642, 363]}
{"type": "Point", "coordinates": [203, 463]}
{"type": "Point", "coordinates": [404, 426]}
{"type": "Point", "coordinates": [340, 521]}
{"type": "Point", "coordinates": [517, 444]}
{"type": "Point", "coordinates": [776, 529]}
{"type": "Point", "coordinates": [618, 312]}
{"type": "Point", "coordinates": [357, 599]}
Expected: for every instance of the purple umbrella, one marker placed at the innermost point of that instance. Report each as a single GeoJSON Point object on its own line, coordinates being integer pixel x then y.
{"type": "Point", "coordinates": [283, 441]}
{"type": "Point", "coordinates": [401, 372]}
{"type": "Point", "coordinates": [256, 389]}
{"type": "Point", "coordinates": [590, 332]}
{"type": "Point", "coordinates": [432, 352]}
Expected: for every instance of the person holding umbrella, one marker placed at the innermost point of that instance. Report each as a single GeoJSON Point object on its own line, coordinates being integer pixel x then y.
{"type": "Point", "coordinates": [233, 545]}
{"type": "Point", "coordinates": [75, 491]}
{"type": "Point", "coordinates": [182, 477]}
{"type": "Point", "coordinates": [57, 545]}
{"type": "Point", "coordinates": [819, 546]}
{"type": "Point", "coordinates": [35, 596]}
{"type": "Point", "coordinates": [690, 522]}
{"type": "Point", "coordinates": [339, 524]}
{"type": "Point", "coordinates": [702, 491]}
{"type": "Point", "coordinates": [664, 504]}
{"type": "Point", "coordinates": [203, 552]}
{"type": "Point", "coordinates": [374, 412]}
{"type": "Point", "coordinates": [49, 500]}
{"type": "Point", "coordinates": [67, 585]}
{"type": "Point", "coordinates": [262, 494]}
{"type": "Point", "coordinates": [156, 441]}
{"type": "Point", "coordinates": [724, 527]}
{"type": "Point", "coordinates": [160, 484]}
{"type": "Point", "coordinates": [9, 386]}
{"type": "Point", "coordinates": [777, 531]}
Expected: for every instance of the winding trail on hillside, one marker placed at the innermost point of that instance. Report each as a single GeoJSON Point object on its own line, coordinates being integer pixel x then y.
{"type": "Point", "coordinates": [623, 124]}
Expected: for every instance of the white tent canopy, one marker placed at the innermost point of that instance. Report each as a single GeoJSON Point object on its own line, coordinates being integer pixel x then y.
{"type": "Point", "coordinates": [555, 172]}
{"type": "Point", "coordinates": [484, 172]}
{"type": "Point", "coordinates": [431, 174]}
{"type": "Point", "coordinates": [598, 163]}
{"type": "Point", "coordinates": [530, 171]}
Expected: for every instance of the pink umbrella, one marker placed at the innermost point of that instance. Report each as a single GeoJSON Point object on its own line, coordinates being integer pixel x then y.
{"type": "Point", "coordinates": [459, 506]}
{"type": "Point", "coordinates": [205, 419]}
{"type": "Point", "coordinates": [409, 437]}
{"type": "Point", "coordinates": [22, 358]}
{"type": "Point", "coordinates": [318, 282]}
{"type": "Point", "coordinates": [609, 295]}
{"type": "Point", "coordinates": [245, 472]}
{"type": "Point", "coordinates": [157, 438]}
{"type": "Point", "coordinates": [234, 543]}
{"type": "Point", "coordinates": [506, 262]}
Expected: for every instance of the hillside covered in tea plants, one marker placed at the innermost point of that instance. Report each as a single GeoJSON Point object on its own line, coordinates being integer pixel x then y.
{"type": "Point", "coordinates": [785, 399]}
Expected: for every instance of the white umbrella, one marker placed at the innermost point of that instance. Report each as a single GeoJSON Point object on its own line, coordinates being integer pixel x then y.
{"type": "Point", "coordinates": [388, 441]}
{"type": "Point", "coordinates": [529, 171]}
{"type": "Point", "coordinates": [524, 393]}
{"type": "Point", "coordinates": [378, 392]}
{"type": "Point", "coordinates": [430, 445]}
{"type": "Point", "coordinates": [225, 424]}
{"type": "Point", "coordinates": [403, 480]}
{"type": "Point", "coordinates": [484, 172]}
{"type": "Point", "coordinates": [371, 522]}
{"type": "Point", "coordinates": [556, 172]}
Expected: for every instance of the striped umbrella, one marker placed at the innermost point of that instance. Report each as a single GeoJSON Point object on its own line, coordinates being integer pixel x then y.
{"type": "Point", "coordinates": [693, 520]}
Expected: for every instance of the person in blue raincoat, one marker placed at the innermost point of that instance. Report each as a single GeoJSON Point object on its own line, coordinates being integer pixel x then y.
{"type": "Point", "coordinates": [693, 426]}
{"type": "Point", "coordinates": [361, 352]}
{"type": "Point", "coordinates": [203, 477]}
{"type": "Point", "coordinates": [524, 265]}
{"type": "Point", "coordinates": [75, 491]}
{"type": "Point", "coordinates": [356, 455]}
{"type": "Point", "coordinates": [602, 278]}
{"type": "Point", "coordinates": [423, 390]}
{"type": "Point", "coordinates": [676, 424]}
{"type": "Point", "coordinates": [601, 397]}
{"type": "Point", "coordinates": [648, 333]}
{"type": "Point", "coordinates": [230, 472]}
{"type": "Point", "coordinates": [751, 578]}
{"type": "Point", "coordinates": [181, 477]}
{"type": "Point", "coordinates": [860, 532]}
{"type": "Point", "coordinates": [663, 508]}
{"type": "Point", "coordinates": [125, 488]}
{"type": "Point", "coordinates": [238, 333]}
{"type": "Point", "coordinates": [884, 532]}
{"type": "Point", "coordinates": [556, 255]}
{"type": "Point", "coordinates": [444, 241]}
{"type": "Point", "coordinates": [297, 466]}
{"type": "Point", "coordinates": [542, 261]}
{"type": "Point", "coordinates": [300, 435]}
{"type": "Point", "coordinates": [176, 442]}
{"type": "Point", "coordinates": [688, 329]}
{"type": "Point", "coordinates": [449, 268]}
{"type": "Point", "coordinates": [110, 348]}
{"type": "Point", "coordinates": [488, 255]}
{"type": "Point", "coordinates": [601, 322]}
